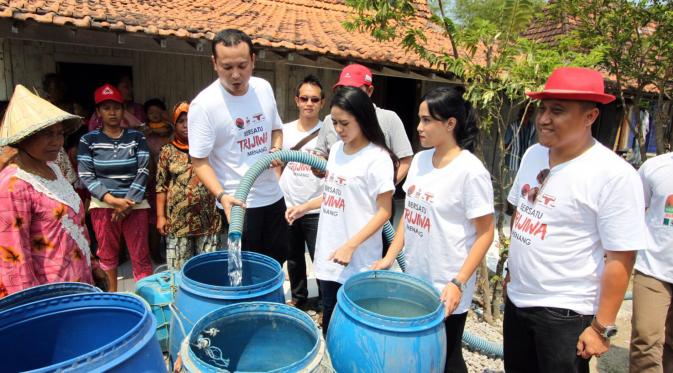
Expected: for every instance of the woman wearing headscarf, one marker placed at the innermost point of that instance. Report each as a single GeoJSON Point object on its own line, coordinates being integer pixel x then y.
{"type": "Point", "coordinates": [42, 234]}
{"type": "Point", "coordinates": [186, 212]}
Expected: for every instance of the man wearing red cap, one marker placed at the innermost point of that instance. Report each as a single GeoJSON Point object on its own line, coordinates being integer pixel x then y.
{"type": "Point", "coordinates": [579, 219]}
{"type": "Point", "coordinates": [393, 129]}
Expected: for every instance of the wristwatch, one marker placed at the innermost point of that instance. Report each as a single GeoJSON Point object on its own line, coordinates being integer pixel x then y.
{"type": "Point", "coordinates": [606, 332]}
{"type": "Point", "coordinates": [459, 284]}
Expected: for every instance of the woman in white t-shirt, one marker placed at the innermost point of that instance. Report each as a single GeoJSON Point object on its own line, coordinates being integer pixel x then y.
{"type": "Point", "coordinates": [356, 199]}
{"type": "Point", "coordinates": [447, 225]}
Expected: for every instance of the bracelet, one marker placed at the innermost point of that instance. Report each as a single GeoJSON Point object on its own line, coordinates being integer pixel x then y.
{"type": "Point", "coordinates": [220, 195]}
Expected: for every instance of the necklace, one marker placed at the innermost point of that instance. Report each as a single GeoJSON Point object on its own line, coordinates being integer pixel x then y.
{"type": "Point", "coordinates": [439, 161]}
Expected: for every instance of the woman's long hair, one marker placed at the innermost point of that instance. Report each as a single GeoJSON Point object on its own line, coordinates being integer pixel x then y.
{"type": "Point", "coordinates": [357, 103]}
{"type": "Point", "coordinates": [448, 102]}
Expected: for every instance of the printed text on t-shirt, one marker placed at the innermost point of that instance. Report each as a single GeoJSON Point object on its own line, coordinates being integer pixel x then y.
{"type": "Point", "coordinates": [254, 141]}
{"type": "Point", "coordinates": [528, 224]}
{"type": "Point", "coordinates": [332, 196]}
{"type": "Point", "coordinates": [416, 216]}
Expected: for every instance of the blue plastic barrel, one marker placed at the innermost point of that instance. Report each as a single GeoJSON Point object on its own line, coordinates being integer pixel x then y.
{"type": "Point", "coordinates": [46, 291]}
{"type": "Point", "coordinates": [203, 286]}
{"type": "Point", "coordinates": [159, 290]}
{"type": "Point", "coordinates": [386, 321]}
{"type": "Point", "coordinates": [255, 337]}
{"type": "Point", "coordinates": [92, 332]}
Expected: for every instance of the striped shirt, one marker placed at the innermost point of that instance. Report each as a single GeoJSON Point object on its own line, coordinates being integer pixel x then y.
{"type": "Point", "coordinates": [115, 166]}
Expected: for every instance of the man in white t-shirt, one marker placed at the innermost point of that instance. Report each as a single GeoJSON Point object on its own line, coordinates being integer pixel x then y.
{"type": "Point", "coordinates": [299, 185]}
{"type": "Point", "coordinates": [652, 321]}
{"type": "Point", "coordinates": [232, 124]}
{"type": "Point", "coordinates": [579, 219]}
{"type": "Point", "coordinates": [359, 76]}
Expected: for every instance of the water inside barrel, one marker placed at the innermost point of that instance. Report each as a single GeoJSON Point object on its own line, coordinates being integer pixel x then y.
{"type": "Point", "coordinates": [259, 343]}
{"type": "Point", "coordinates": [394, 307]}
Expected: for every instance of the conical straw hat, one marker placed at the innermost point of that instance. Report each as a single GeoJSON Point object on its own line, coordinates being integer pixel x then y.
{"type": "Point", "coordinates": [27, 114]}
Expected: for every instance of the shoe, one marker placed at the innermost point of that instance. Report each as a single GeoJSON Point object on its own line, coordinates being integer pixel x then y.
{"type": "Point", "coordinates": [297, 303]}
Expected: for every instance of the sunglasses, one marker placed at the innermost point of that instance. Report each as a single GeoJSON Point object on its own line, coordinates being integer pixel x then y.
{"type": "Point", "coordinates": [314, 100]}
{"type": "Point", "coordinates": [532, 193]}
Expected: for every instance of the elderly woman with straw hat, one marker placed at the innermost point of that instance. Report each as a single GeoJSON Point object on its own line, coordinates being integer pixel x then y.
{"type": "Point", "coordinates": [42, 234]}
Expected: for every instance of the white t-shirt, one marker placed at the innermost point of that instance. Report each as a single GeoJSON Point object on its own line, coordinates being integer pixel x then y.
{"type": "Point", "coordinates": [657, 177]}
{"type": "Point", "coordinates": [297, 181]}
{"type": "Point", "coordinates": [352, 184]}
{"type": "Point", "coordinates": [587, 205]}
{"type": "Point", "coordinates": [234, 132]}
{"type": "Point", "coordinates": [438, 212]}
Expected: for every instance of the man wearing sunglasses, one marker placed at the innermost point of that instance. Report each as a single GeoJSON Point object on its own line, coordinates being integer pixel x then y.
{"type": "Point", "coordinates": [299, 185]}
{"type": "Point", "coordinates": [359, 76]}
{"type": "Point", "coordinates": [579, 220]}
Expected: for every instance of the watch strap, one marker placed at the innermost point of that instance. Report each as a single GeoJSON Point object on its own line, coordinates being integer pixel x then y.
{"type": "Point", "coordinates": [459, 284]}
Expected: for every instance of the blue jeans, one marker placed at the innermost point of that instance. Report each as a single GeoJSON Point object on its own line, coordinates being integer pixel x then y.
{"type": "Point", "coordinates": [543, 339]}
{"type": "Point", "coordinates": [302, 234]}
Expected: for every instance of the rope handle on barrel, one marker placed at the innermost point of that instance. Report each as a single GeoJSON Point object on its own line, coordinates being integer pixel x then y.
{"type": "Point", "coordinates": [214, 353]}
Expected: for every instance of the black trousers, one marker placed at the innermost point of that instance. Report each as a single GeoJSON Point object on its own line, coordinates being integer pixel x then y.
{"type": "Point", "coordinates": [328, 292]}
{"type": "Point", "coordinates": [543, 339]}
{"type": "Point", "coordinates": [455, 325]}
{"type": "Point", "coordinates": [302, 234]}
{"type": "Point", "coordinates": [265, 230]}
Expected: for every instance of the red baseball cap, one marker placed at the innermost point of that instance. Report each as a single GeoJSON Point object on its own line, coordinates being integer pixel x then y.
{"type": "Point", "coordinates": [574, 83]}
{"type": "Point", "coordinates": [354, 75]}
{"type": "Point", "coordinates": [108, 92]}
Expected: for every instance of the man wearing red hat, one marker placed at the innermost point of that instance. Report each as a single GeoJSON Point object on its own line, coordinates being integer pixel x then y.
{"type": "Point", "coordinates": [359, 76]}
{"type": "Point", "coordinates": [579, 220]}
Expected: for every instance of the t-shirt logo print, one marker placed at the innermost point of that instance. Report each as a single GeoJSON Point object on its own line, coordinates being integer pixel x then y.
{"type": "Point", "coordinates": [240, 123]}
{"type": "Point", "coordinates": [668, 211]}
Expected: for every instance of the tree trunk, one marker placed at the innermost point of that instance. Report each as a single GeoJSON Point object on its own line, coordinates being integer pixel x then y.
{"type": "Point", "coordinates": [660, 121]}
{"type": "Point", "coordinates": [483, 281]}
{"type": "Point", "coordinates": [483, 284]}
{"type": "Point", "coordinates": [501, 189]}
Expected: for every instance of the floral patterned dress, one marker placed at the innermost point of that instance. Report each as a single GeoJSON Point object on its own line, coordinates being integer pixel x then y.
{"type": "Point", "coordinates": [42, 234]}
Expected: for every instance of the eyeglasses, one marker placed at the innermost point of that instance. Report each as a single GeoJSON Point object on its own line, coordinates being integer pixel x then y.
{"type": "Point", "coordinates": [314, 100]}
{"type": "Point", "coordinates": [532, 193]}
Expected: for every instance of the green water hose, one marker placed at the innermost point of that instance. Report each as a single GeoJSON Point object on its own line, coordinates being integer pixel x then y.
{"type": "Point", "coordinates": [238, 213]}
{"type": "Point", "coordinates": [474, 342]}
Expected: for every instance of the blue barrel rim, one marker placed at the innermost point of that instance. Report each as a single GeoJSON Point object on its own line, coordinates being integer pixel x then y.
{"type": "Point", "coordinates": [232, 292]}
{"type": "Point", "coordinates": [265, 308]}
{"type": "Point", "coordinates": [105, 357]}
{"type": "Point", "coordinates": [389, 323]}
{"type": "Point", "coordinates": [54, 289]}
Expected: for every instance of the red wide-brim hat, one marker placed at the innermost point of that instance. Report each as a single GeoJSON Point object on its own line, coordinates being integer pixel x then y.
{"type": "Point", "coordinates": [574, 83]}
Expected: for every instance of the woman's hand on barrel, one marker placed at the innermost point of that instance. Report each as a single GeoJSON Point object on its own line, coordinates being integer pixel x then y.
{"type": "Point", "coordinates": [384, 263]}
{"type": "Point", "coordinates": [451, 298]}
{"type": "Point", "coordinates": [343, 254]}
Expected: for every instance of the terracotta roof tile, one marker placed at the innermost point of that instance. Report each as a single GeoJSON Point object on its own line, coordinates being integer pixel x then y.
{"type": "Point", "coordinates": [295, 25]}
